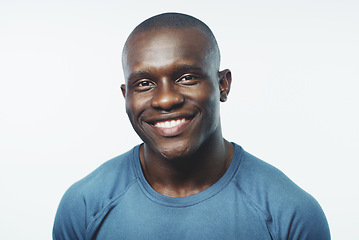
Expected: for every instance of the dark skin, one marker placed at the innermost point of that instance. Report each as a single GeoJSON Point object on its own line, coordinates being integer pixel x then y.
{"type": "Point", "coordinates": [173, 92]}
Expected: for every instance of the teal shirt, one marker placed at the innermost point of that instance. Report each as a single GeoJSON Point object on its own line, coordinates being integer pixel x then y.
{"type": "Point", "coordinates": [253, 200]}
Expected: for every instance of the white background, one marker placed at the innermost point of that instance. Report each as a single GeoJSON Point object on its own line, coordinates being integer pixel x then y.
{"type": "Point", "coordinates": [293, 102]}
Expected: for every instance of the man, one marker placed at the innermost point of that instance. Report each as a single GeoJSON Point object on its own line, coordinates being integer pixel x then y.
{"type": "Point", "coordinates": [185, 181]}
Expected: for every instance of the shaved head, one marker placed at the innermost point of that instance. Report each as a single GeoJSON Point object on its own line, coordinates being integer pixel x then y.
{"type": "Point", "coordinates": [175, 21]}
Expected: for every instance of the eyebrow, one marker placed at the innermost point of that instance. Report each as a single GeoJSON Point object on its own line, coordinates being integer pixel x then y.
{"type": "Point", "coordinates": [179, 68]}
{"type": "Point", "coordinates": [184, 67]}
{"type": "Point", "coordinates": [139, 74]}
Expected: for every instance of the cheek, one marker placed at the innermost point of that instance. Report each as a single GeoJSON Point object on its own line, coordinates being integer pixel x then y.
{"type": "Point", "coordinates": [135, 106]}
{"type": "Point", "coordinates": [209, 97]}
{"type": "Point", "coordinates": [132, 107]}
{"type": "Point", "coordinates": [133, 110]}
{"type": "Point", "coordinates": [210, 101]}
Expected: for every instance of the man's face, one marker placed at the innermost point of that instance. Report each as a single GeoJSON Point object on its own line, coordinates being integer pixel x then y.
{"type": "Point", "coordinates": [172, 90]}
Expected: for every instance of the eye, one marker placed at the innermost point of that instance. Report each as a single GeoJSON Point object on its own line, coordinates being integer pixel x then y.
{"type": "Point", "coordinates": [144, 85]}
{"type": "Point", "coordinates": [188, 80]}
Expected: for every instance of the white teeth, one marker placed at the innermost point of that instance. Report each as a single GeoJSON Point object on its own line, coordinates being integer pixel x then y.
{"type": "Point", "coordinates": [170, 123]}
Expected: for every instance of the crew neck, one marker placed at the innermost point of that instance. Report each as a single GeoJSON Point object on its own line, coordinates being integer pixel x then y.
{"type": "Point", "coordinates": [190, 200]}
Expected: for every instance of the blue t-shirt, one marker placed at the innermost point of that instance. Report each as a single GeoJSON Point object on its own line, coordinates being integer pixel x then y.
{"type": "Point", "coordinates": [253, 200]}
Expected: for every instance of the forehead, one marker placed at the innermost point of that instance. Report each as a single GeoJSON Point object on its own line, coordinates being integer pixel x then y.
{"type": "Point", "coordinates": [164, 47]}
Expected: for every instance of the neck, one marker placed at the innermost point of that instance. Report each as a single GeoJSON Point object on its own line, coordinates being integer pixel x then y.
{"type": "Point", "coordinates": [188, 175]}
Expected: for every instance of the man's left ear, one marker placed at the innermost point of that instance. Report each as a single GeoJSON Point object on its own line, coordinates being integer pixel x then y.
{"type": "Point", "coordinates": [225, 80]}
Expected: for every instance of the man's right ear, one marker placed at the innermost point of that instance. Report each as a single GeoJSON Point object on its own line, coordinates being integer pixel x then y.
{"type": "Point", "coordinates": [123, 89]}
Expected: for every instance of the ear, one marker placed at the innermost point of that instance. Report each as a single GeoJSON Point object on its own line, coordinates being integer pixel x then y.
{"type": "Point", "coordinates": [123, 89]}
{"type": "Point", "coordinates": [225, 80]}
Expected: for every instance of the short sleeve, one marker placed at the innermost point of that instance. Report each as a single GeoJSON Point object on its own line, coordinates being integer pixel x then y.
{"type": "Point", "coordinates": [70, 220]}
{"type": "Point", "coordinates": [308, 222]}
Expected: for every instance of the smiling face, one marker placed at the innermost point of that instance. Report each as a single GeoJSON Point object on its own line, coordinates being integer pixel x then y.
{"type": "Point", "coordinates": [173, 90]}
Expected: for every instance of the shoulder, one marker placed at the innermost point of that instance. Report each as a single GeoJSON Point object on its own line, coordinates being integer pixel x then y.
{"type": "Point", "coordinates": [89, 196]}
{"type": "Point", "coordinates": [110, 179]}
{"type": "Point", "coordinates": [292, 211]}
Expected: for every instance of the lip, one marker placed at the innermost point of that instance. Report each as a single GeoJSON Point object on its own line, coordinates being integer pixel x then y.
{"type": "Point", "coordinates": [170, 126]}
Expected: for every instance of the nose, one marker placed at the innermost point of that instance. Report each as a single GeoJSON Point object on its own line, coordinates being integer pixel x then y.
{"type": "Point", "coordinates": [167, 97]}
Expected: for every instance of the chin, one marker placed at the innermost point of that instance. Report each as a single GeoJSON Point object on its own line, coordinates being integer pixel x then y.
{"type": "Point", "coordinates": [175, 151]}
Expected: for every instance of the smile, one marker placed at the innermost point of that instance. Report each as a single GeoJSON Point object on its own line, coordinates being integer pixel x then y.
{"type": "Point", "coordinates": [169, 123]}
{"type": "Point", "coordinates": [171, 127]}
